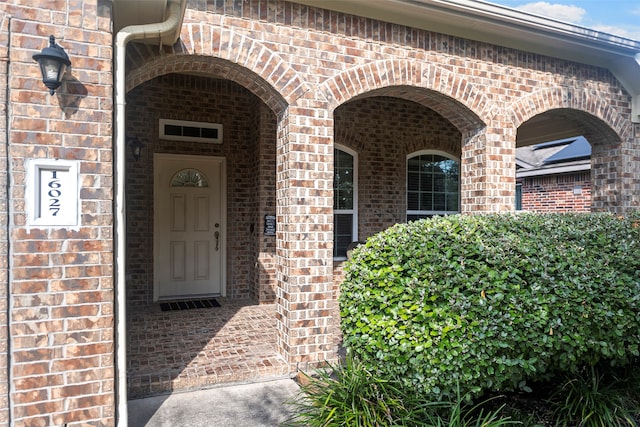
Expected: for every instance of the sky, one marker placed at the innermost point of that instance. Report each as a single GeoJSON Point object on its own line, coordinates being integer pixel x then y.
{"type": "Point", "coordinates": [619, 17]}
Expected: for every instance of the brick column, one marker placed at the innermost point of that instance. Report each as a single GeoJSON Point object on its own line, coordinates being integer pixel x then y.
{"type": "Point", "coordinates": [61, 278]}
{"type": "Point", "coordinates": [304, 238]}
{"type": "Point", "coordinates": [615, 172]}
{"type": "Point", "coordinates": [488, 169]}
{"type": "Point", "coordinates": [4, 245]}
{"type": "Point", "coordinates": [631, 193]}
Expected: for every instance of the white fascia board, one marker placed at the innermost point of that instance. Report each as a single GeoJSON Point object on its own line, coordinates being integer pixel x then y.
{"type": "Point", "coordinates": [627, 71]}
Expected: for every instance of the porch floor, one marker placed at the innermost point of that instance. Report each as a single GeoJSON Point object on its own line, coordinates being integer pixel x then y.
{"type": "Point", "coordinates": [190, 349]}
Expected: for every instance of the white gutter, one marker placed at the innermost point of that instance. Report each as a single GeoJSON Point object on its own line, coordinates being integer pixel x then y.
{"type": "Point", "coordinates": [175, 10]}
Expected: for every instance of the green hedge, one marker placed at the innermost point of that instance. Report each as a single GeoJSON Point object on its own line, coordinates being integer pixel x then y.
{"type": "Point", "coordinates": [485, 302]}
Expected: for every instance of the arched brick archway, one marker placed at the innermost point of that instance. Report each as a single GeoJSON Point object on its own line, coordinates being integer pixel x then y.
{"type": "Point", "coordinates": [431, 85]}
{"type": "Point", "coordinates": [567, 98]}
{"type": "Point", "coordinates": [210, 50]}
{"type": "Point", "coordinates": [613, 175]}
{"type": "Point", "coordinates": [211, 67]}
{"type": "Point", "coordinates": [456, 99]}
{"type": "Point", "coordinates": [382, 131]}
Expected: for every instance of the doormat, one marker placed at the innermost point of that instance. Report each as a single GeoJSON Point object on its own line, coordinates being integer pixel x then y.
{"type": "Point", "coordinates": [188, 305]}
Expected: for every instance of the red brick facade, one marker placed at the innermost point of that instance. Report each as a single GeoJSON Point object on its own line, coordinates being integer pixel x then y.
{"type": "Point", "coordinates": [288, 82]}
{"type": "Point", "coordinates": [60, 283]}
{"type": "Point", "coordinates": [568, 192]}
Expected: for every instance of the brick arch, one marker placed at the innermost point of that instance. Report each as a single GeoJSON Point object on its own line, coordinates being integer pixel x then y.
{"type": "Point", "coordinates": [441, 90]}
{"type": "Point", "coordinates": [571, 99]}
{"type": "Point", "coordinates": [349, 133]}
{"type": "Point", "coordinates": [210, 67]}
{"type": "Point", "coordinates": [221, 53]}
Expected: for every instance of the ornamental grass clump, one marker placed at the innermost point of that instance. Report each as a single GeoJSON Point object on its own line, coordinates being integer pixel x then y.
{"type": "Point", "coordinates": [597, 396]}
{"type": "Point", "coordinates": [491, 302]}
{"type": "Point", "coordinates": [350, 395]}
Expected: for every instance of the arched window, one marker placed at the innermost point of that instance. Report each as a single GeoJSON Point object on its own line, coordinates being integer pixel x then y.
{"type": "Point", "coordinates": [433, 185]}
{"type": "Point", "coordinates": [345, 200]}
{"type": "Point", "coordinates": [189, 178]}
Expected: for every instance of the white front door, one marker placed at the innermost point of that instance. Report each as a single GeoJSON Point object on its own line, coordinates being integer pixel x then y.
{"type": "Point", "coordinates": [189, 229]}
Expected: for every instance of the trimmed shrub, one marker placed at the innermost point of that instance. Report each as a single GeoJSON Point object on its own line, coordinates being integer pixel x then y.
{"type": "Point", "coordinates": [487, 302]}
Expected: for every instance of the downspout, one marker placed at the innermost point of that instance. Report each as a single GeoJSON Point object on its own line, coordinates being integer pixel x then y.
{"type": "Point", "coordinates": [175, 10]}
{"type": "Point", "coordinates": [635, 97]}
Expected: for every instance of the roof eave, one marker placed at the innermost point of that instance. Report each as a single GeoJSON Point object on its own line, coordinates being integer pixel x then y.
{"type": "Point", "coordinates": [554, 170]}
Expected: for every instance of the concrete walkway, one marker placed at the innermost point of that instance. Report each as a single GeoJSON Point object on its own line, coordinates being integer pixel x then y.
{"type": "Point", "coordinates": [243, 405]}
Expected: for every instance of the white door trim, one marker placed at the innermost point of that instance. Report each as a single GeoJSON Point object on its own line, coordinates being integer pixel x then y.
{"type": "Point", "coordinates": [222, 162]}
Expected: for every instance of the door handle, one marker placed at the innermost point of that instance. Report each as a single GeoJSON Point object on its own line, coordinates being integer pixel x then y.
{"type": "Point", "coordinates": [217, 235]}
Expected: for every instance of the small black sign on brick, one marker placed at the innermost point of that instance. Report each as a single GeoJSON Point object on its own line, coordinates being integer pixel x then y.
{"type": "Point", "coordinates": [269, 225]}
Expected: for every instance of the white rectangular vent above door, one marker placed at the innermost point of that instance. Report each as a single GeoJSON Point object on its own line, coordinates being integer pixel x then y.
{"type": "Point", "coordinates": [180, 130]}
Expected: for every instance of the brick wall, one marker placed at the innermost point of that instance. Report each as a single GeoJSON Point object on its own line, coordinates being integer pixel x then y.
{"type": "Point", "coordinates": [383, 141]}
{"type": "Point", "coordinates": [570, 192]}
{"type": "Point", "coordinates": [61, 279]}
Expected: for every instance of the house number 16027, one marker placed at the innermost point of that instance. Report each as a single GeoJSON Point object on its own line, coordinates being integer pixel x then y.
{"type": "Point", "coordinates": [54, 193]}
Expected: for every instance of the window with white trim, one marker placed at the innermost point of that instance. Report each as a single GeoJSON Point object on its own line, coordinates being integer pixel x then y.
{"type": "Point", "coordinates": [345, 200]}
{"type": "Point", "coordinates": [433, 185]}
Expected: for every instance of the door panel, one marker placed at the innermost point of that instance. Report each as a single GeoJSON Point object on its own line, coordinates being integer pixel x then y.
{"type": "Point", "coordinates": [201, 258]}
{"type": "Point", "coordinates": [202, 219]}
{"type": "Point", "coordinates": [177, 221]}
{"type": "Point", "coordinates": [188, 249]}
{"type": "Point", "coordinates": [178, 255]}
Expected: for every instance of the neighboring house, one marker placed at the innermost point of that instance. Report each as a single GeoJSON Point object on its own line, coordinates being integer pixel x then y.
{"type": "Point", "coordinates": [272, 134]}
{"type": "Point", "coordinates": [554, 176]}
